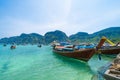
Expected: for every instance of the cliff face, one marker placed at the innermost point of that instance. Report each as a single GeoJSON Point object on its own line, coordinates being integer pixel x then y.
{"type": "Point", "coordinates": [34, 38]}
{"type": "Point", "coordinates": [56, 35]}
{"type": "Point", "coordinates": [80, 36]}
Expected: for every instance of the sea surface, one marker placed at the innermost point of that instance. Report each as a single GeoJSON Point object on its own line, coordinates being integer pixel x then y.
{"type": "Point", "coordinates": [30, 62]}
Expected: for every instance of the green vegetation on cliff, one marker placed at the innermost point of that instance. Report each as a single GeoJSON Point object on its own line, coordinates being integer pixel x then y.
{"type": "Point", "coordinates": [55, 35]}
{"type": "Point", "coordinates": [34, 38]}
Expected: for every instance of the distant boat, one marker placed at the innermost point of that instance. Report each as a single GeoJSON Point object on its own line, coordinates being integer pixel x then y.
{"type": "Point", "coordinates": [54, 43]}
{"type": "Point", "coordinates": [39, 45]}
{"type": "Point", "coordinates": [4, 44]}
{"type": "Point", "coordinates": [13, 47]}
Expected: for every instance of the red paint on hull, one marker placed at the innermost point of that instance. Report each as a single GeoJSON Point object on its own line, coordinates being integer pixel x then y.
{"type": "Point", "coordinates": [83, 54]}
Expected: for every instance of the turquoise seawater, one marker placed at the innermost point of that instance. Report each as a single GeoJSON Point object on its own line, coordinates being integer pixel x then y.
{"type": "Point", "coordinates": [33, 63]}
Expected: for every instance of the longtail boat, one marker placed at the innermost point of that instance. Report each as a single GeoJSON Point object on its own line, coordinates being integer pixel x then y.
{"type": "Point", "coordinates": [113, 49]}
{"type": "Point", "coordinates": [82, 54]}
{"type": "Point", "coordinates": [110, 49]}
{"type": "Point", "coordinates": [113, 72]}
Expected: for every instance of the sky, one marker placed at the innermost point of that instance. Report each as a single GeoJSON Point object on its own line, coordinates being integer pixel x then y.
{"type": "Point", "coordinates": [69, 16]}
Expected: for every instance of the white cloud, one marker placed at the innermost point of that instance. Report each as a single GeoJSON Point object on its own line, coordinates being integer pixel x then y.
{"type": "Point", "coordinates": [69, 16]}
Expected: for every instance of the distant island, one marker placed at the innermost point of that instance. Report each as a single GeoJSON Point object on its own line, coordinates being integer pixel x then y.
{"type": "Point", "coordinates": [113, 33]}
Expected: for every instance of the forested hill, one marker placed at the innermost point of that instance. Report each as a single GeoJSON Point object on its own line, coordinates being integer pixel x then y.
{"type": "Point", "coordinates": [55, 35]}
{"type": "Point", "coordinates": [112, 33]}
{"type": "Point", "coordinates": [32, 38]}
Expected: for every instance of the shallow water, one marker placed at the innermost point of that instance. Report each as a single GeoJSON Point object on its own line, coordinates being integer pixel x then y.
{"type": "Point", "coordinates": [33, 63]}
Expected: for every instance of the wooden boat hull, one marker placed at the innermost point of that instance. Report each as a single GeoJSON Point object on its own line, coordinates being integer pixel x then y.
{"type": "Point", "coordinates": [113, 71]}
{"type": "Point", "coordinates": [108, 76]}
{"type": "Point", "coordinates": [83, 54]}
{"type": "Point", "coordinates": [110, 50]}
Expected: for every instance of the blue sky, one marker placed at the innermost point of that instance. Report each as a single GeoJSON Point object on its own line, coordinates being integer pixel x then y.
{"type": "Point", "coordinates": [70, 16]}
